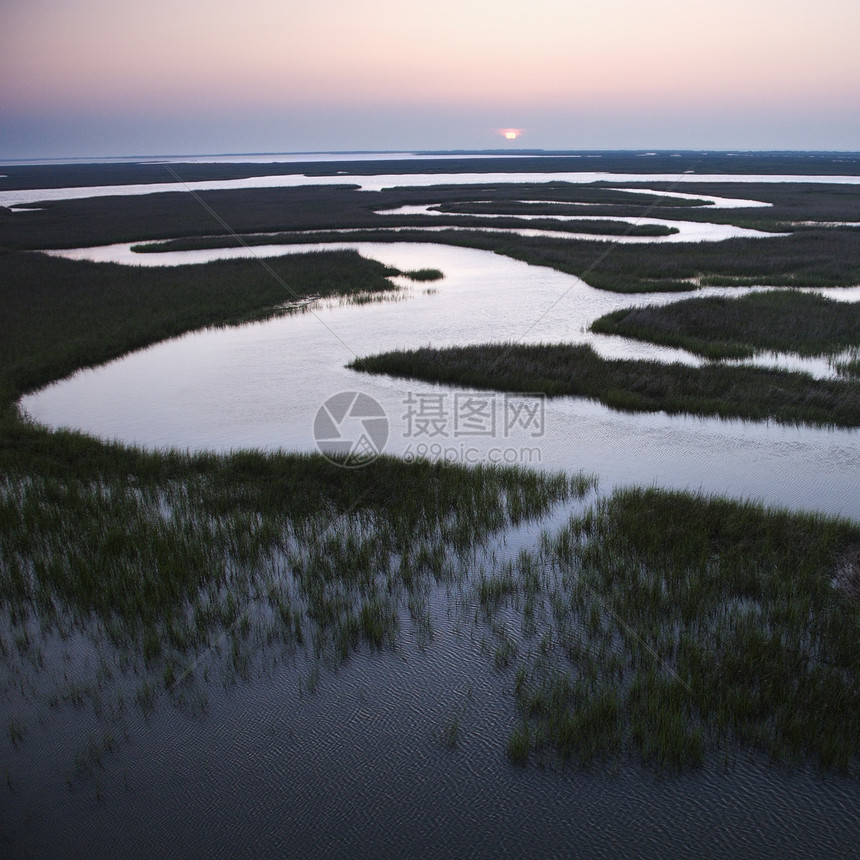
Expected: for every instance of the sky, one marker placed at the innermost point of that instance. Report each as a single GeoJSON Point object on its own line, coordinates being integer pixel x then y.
{"type": "Point", "coordinates": [82, 78]}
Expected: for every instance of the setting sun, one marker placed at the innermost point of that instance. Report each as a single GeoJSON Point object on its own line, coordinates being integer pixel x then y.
{"type": "Point", "coordinates": [510, 133]}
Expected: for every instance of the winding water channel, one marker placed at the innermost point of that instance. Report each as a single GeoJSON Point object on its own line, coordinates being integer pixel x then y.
{"type": "Point", "coordinates": [411, 180]}
{"type": "Point", "coordinates": [261, 385]}
{"type": "Point", "coordinates": [355, 767]}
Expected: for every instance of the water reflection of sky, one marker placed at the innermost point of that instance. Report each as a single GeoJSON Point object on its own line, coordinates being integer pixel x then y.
{"type": "Point", "coordinates": [269, 768]}
{"type": "Point", "coordinates": [413, 180]}
{"type": "Point", "coordinates": [687, 231]}
{"type": "Point", "coordinates": [261, 385]}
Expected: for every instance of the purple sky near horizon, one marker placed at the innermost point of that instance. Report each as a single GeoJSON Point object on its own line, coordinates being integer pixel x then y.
{"type": "Point", "coordinates": [96, 78]}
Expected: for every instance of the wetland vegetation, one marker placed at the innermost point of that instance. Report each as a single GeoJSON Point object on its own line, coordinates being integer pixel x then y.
{"type": "Point", "coordinates": [751, 393]}
{"type": "Point", "coordinates": [814, 253]}
{"type": "Point", "coordinates": [720, 327]}
{"type": "Point", "coordinates": [61, 315]}
{"type": "Point", "coordinates": [678, 625]}
{"type": "Point", "coordinates": [826, 257]}
{"type": "Point", "coordinates": [666, 627]}
{"type": "Point", "coordinates": [155, 562]}
{"type": "Point", "coordinates": [163, 558]}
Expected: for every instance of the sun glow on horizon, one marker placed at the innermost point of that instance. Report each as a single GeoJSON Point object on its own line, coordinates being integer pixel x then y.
{"type": "Point", "coordinates": [96, 76]}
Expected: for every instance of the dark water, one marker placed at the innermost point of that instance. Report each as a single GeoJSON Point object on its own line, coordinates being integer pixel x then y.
{"type": "Point", "coordinates": [362, 765]}
{"type": "Point", "coordinates": [398, 751]}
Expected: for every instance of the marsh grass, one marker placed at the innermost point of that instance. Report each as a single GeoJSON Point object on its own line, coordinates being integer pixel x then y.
{"type": "Point", "coordinates": [719, 327]}
{"type": "Point", "coordinates": [571, 197]}
{"type": "Point", "coordinates": [849, 368]}
{"type": "Point", "coordinates": [682, 625]}
{"type": "Point", "coordinates": [815, 257]}
{"type": "Point", "coordinates": [519, 745]}
{"type": "Point", "coordinates": [542, 217]}
{"type": "Point", "coordinates": [174, 559]}
{"type": "Point", "coordinates": [451, 733]}
{"type": "Point", "coordinates": [179, 570]}
{"type": "Point", "coordinates": [635, 386]}
{"type": "Point", "coordinates": [847, 578]}
{"type": "Point", "coordinates": [60, 315]}
{"type": "Point", "coordinates": [424, 275]}
{"type": "Point", "coordinates": [811, 256]}
{"type": "Point", "coordinates": [662, 626]}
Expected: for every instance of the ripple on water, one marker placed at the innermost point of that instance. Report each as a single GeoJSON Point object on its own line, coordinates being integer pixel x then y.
{"type": "Point", "coordinates": [360, 759]}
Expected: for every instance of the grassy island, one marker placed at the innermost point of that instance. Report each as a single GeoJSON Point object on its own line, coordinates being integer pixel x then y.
{"type": "Point", "coordinates": [651, 626]}
{"type": "Point", "coordinates": [752, 393]}
{"type": "Point", "coordinates": [717, 327]}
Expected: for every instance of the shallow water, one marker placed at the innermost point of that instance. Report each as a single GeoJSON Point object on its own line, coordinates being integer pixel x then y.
{"type": "Point", "coordinates": [688, 231]}
{"type": "Point", "coordinates": [262, 385]}
{"type": "Point", "coordinates": [711, 201]}
{"type": "Point", "coordinates": [378, 182]}
{"type": "Point", "coordinates": [357, 766]}
{"type": "Point", "coordinates": [307, 760]}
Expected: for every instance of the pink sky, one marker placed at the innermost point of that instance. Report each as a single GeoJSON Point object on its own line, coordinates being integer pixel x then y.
{"type": "Point", "coordinates": [116, 78]}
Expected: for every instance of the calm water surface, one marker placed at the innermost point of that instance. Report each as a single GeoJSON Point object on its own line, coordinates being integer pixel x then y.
{"type": "Point", "coordinates": [688, 231]}
{"type": "Point", "coordinates": [261, 385]}
{"type": "Point", "coordinates": [355, 766]}
{"type": "Point", "coordinates": [378, 182]}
